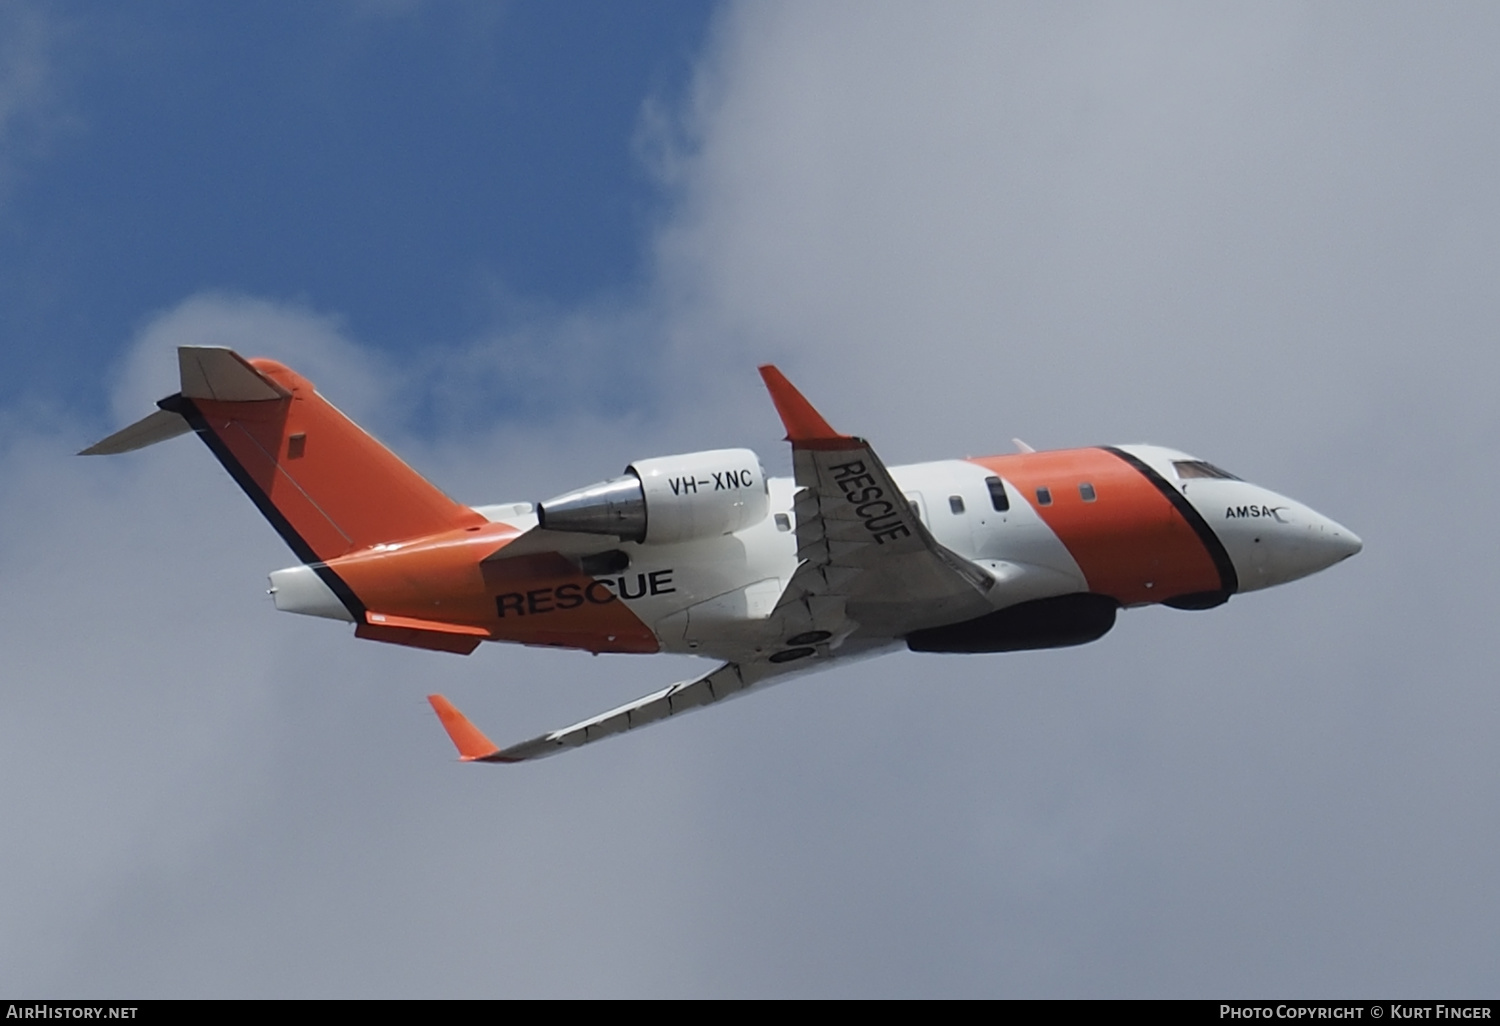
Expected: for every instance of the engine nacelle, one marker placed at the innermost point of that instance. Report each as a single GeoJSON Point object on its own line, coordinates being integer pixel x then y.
{"type": "Point", "coordinates": [668, 499]}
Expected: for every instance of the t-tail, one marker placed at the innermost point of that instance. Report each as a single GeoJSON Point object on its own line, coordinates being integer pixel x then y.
{"type": "Point", "coordinates": [326, 486]}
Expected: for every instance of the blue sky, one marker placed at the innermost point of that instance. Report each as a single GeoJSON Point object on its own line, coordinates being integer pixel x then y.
{"type": "Point", "coordinates": [528, 243]}
{"type": "Point", "coordinates": [424, 169]}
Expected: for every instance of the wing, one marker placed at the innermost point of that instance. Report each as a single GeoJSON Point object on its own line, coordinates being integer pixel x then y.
{"type": "Point", "coordinates": [727, 681]}
{"type": "Point", "coordinates": [867, 563]}
{"type": "Point", "coordinates": [869, 572]}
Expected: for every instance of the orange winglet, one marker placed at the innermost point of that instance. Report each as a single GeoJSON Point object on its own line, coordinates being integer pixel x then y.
{"type": "Point", "coordinates": [470, 741]}
{"type": "Point", "coordinates": [804, 425]}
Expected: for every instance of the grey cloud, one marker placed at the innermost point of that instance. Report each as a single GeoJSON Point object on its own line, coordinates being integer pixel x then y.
{"type": "Point", "coordinates": [1263, 233]}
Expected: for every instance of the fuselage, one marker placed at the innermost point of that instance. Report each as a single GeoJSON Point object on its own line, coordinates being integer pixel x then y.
{"type": "Point", "coordinates": [1124, 526]}
{"type": "Point", "coordinates": [700, 553]}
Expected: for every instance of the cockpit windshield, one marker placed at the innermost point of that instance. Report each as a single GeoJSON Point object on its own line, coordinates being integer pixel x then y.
{"type": "Point", "coordinates": [1187, 469]}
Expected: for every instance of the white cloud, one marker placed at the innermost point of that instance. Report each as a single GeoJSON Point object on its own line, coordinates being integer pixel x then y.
{"type": "Point", "coordinates": [316, 344]}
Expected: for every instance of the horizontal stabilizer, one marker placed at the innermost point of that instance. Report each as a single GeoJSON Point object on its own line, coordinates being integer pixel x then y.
{"type": "Point", "coordinates": [224, 376]}
{"type": "Point", "coordinates": [149, 430]}
{"type": "Point", "coordinates": [207, 372]}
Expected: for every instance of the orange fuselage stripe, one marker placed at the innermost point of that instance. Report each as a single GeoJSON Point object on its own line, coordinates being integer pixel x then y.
{"type": "Point", "coordinates": [1131, 542]}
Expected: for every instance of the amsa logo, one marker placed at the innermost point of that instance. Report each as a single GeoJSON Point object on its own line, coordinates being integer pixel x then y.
{"type": "Point", "coordinates": [1274, 512]}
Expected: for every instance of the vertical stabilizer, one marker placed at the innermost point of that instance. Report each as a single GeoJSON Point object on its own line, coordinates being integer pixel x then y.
{"type": "Point", "coordinates": [325, 485]}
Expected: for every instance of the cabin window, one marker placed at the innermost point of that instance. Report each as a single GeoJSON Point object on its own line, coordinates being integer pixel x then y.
{"type": "Point", "coordinates": [1187, 469]}
{"type": "Point", "coordinates": [998, 498]}
{"type": "Point", "coordinates": [956, 504]}
{"type": "Point", "coordinates": [783, 522]}
{"type": "Point", "coordinates": [1086, 490]}
{"type": "Point", "coordinates": [1044, 496]}
{"type": "Point", "coordinates": [296, 445]}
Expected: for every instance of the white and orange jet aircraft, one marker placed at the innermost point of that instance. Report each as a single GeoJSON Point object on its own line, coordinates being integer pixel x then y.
{"type": "Point", "coordinates": [701, 553]}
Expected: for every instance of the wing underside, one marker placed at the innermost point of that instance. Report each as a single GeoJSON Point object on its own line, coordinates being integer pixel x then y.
{"type": "Point", "coordinates": [726, 681]}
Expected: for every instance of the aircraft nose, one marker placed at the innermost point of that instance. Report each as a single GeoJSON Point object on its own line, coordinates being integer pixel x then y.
{"type": "Point", "coordinates": [1270, 538]}
{"type": "Point", "coordinates": [1331, 542]}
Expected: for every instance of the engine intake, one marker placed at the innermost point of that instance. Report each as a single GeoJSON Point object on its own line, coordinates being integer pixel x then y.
{"type": "Point", "coordinates": [667, 499]}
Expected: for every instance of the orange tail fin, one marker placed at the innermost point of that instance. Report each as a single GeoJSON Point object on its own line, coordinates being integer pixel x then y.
{"type": "Point", "coordinates": [325, 485]}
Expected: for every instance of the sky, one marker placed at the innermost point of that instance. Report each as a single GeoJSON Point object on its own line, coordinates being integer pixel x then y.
{"type": "Point", "coordinates": [526, 243]}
